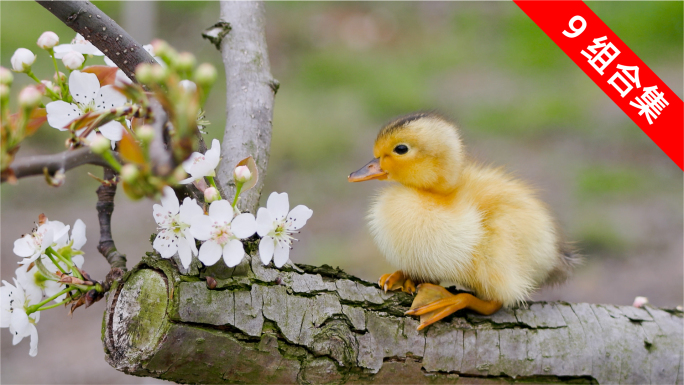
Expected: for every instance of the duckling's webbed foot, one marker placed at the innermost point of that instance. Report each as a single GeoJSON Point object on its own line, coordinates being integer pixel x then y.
{"type": "Point", "coordinates": [433, 302]}
{"type": "Point", "coordinates": [396, 281]}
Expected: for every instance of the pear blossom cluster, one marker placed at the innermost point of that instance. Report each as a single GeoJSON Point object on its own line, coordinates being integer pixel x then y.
{"type": "Point", "coordinates": [223, 229]}
{"type": "Point", "coordinates": [49, 271]}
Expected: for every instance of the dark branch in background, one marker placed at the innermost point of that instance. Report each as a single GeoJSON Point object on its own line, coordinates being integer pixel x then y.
{"type": "Point", "coordinates": [105, 34]}
{"type": "Point", "coordinates": [105, 207]}
{"type": "Point", "coordinates": [34, 165]}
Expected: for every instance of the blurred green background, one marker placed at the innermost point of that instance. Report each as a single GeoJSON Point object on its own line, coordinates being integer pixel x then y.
{"type": "Point", "coordinates": [345, 69]}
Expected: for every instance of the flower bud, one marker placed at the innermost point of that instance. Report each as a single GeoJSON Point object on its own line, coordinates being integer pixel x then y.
{"type": "Point", "coordinates": [48, 40]}
{"type": "Point", "coordinates": [6, 76]}
{"type": "Point", "coordinates": [59, 78]}
{"type": "Point", "coordinates": [241, 174]}
{"type": "Point", "coordinates": [143, 72]}
{"type": "Point", "coordinates": [49, 85]}
{"type": "Point", "coordinates": [129, 173]}
{"type": "Point", "coordinates": [73, 60]}
{"type": "Point", "coordinates": [30, 97]}
{"type": "Point", "coordinates": [22, 60]}
{"type": "Point", "coordinates": [100, 144]}
{"type": "Point", "coordinates": [145, 133]}
{"type": "Point", "coordinates": [205, 74]}
{"type": "Point", "coordinates": [211, 195]}
{"type": "Point", "coordinates": [160, 47]}
{"type": "Point", "coordinates": [185, 61]}
{"type": "Point", "coordinates": [188, 86]}
{"type": "Point", "coordinates": [4, 91]}
{"type": "Point", "coordinates": [158, 74]}
{"type": "Point", "coordinates": [640, 301]}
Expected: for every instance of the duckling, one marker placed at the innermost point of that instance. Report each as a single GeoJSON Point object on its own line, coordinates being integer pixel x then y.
{"type": "Point", "coordinates": [450, 219]}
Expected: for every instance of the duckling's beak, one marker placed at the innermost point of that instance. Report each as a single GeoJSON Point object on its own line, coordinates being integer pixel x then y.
{"type": "Point", "coordinates": [370, 171]}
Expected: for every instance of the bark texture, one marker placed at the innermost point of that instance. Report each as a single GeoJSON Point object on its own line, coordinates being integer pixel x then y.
{"type": "Point", "coordinates": [249, 93]}
{"type": "Point", "coordinates": [312, 325]}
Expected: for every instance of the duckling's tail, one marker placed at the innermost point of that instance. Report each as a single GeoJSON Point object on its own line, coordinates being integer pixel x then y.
{"type": "Point", "coordinates": [568, 258]}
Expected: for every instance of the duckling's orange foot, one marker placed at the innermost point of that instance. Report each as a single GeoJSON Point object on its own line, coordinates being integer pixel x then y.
{"type": "Point", "coordinates": [396, 281]}
{"type": "Point", "coordinates": [433, 302]}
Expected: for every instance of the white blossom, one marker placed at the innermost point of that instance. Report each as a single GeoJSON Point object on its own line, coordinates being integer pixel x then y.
{"type": "Point", "coordinates": [222, 233]}
{"type": "Point", "coordinates": [174, 227]}
{"type": "Point", "coordinates": [276, 226]}
{"type": "Point", "coordinates": [31, 246]}
{"type": "Point", "coordinates": [35, 283]}
{"type": "Point", "coordinates": [30, 97]}
{"type": "Point", "coordinates": [88, 96]}
{"type": "Point", "coordinates": [14, 302]}
{"type": "Point", "coordinates": [22, 60]}
{"type": "Point", "coordinates": [80, 45]}
{"type": "Point", "coordinates": [200, 165]}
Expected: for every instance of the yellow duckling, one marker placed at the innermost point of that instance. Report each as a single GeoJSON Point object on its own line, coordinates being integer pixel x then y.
{"type": "Point", "coordinates": [449, 219]}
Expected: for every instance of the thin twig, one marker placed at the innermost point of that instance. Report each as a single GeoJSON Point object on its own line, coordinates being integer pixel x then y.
{"type": "Point", "coordinates": [34, 165]}
{"type": "Point", "coordinates": [160, 153]}
{"type": "Point", "coordinates": [99, 29]}
{"type": "Point", "coordinates": [105, 207]}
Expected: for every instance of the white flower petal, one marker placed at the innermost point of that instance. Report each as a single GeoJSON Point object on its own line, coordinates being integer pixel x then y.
{"type": "Point", "coordinates": [190, 240]}
{"type": "Point", "coordinates": [264, 222]}
{"type": "Point", "coordinates": [266, 248]}
{"type": "Point", "coordinates": [297, 218]}
{"type": "Point", "coordinates": [190, 162]}
{"type": "Point", "coordinates": [243, 226]}
{"type": "Point", "coordinates": [48, 238]}
{"type": "Point", "coordinates": [25, 246]}
{"type": "Point", "coordinates": [18, 323]}
{"type": "Point", "coordinates": [33, 347]}
{"type": "Point", "coordinates": [109, 62]}
{"type": "Point", "coordinates": [189, 210]}
{"type": "Point", "coordinates": [282, 254]}
{"type": "Point", "coordinates": [210, 253]}
{"type": "Point", "coordinates": [170, 201]}
{"type": "Point", "coordinates": [60, 114]}
{"type": "Point", "coordinates": [161, 215]}
{"type": "Point", "coordinates": [83, 86]}
{"type": "Point", "coordinates": [166, 243]}
{"type": "Point", "coordinates": [109, 97]}
{"type": "Point", "coordinates": [78, 234]}
{"type": "Point", "coordinates": [184, 252]}
{"type": "Point", "coordinates": [61, 50]}
{"type": "Point", "coordinates": [78, 260]}
{"type": "Point", "coordinates": [213, 156]}
{"type": "Point", "coordinates": [221, 211]}
{"type": "Point", "coordinates": [112, 130]}
{"type": "Point", "coordinates": [200, 227]}
{"type": "Point", "coordinates": [233, 252]}
{"type": "Point", "coordinates": [278, 205]}
{"type": "Point", "coordinates": [187, 181]}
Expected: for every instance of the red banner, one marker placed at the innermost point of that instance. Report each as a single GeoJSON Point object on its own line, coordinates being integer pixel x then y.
{"type": "Point", "coordinates": [639, 92]}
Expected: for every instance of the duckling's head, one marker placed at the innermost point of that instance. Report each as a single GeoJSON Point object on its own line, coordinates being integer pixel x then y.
{"type": "Point", "coordinates": [420, 150]}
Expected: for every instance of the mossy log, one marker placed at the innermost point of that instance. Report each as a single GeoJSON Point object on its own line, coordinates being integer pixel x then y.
{"type": "Point", "coordinates": [306, 324]}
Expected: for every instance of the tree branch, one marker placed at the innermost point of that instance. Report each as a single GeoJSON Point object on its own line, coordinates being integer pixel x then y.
{"type": "Point", "coordinates": [34, 165]}
{"type": "Point", "coordinates": [105, 34]}
{"type": "Point", "coordinates": [319, 325]}
{"type": "Point", "coordinates": [105, 208]}
{"type": "Point", "coordinates": [250, 89]}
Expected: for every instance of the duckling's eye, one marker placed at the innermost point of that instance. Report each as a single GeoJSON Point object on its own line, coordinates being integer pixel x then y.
{"type": "Point", "coordinates": [401, 149]}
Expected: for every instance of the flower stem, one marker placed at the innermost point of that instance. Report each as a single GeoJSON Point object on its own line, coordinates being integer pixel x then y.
{"type": "Point", "coordinates": [237, 193]}
{"type": "Point", "coordinates": [36, 307]}
{"type": "Point", "coordinates": [58, 78]}
{"type": "Point", "coordinates": [53, 305]}
{"type": "Point", "coordinates": [107, 155]}
{"type": "Point", "coordinates": [52, 93]}
{"type": "Point", "coordinates": [49, 254]}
